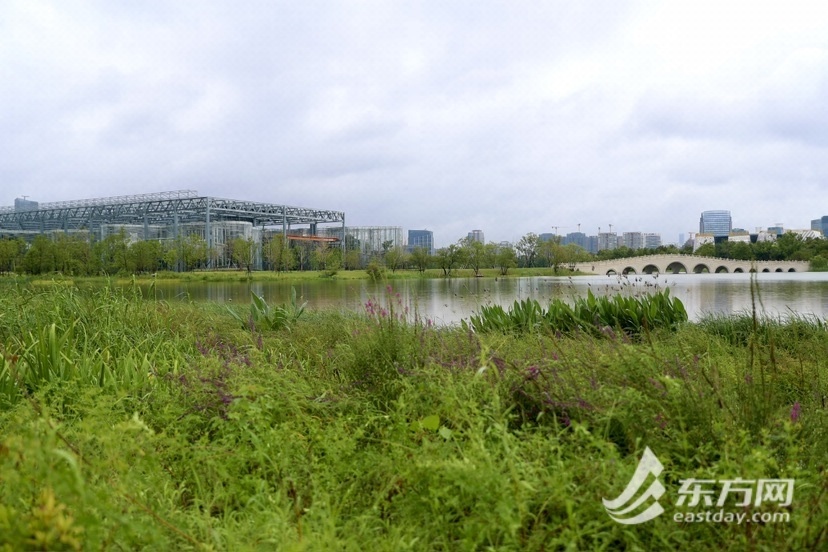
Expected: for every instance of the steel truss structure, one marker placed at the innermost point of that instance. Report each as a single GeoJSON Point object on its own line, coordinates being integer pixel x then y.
{"type": "Point", "coordinates": [169, 209]}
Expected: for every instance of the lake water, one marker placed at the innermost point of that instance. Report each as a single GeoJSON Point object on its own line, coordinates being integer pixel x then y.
{"type": "Point", "coordinates": [447, 301]}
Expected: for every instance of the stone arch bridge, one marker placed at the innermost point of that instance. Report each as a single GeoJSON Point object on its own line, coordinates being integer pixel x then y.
{"type": "Point", "coordinates": [677, 264]}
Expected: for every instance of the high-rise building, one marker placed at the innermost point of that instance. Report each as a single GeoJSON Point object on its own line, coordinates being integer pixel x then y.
{"type": "Point", "coordinates": [421, 238]}
{"type": "Point", "coordinates": [578, 238]}
{"type": "Point", "coordinates": [820, 224]}
{"type": "Point", "coordinates": [717, 223]}
{"type": "Point", "coordinates": [476, 235]}
{"type": "Point", "coordinates": [634, 240]}
{"type": "Point", "coordinates": [607, 240]}
{"type": "Point", "coordinates": [652, 241]}
{"type": "Point", "coordinates": [23, 204]}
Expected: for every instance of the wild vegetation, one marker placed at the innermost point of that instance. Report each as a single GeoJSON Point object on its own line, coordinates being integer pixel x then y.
{"type": "Point", "coordinates": [130, 423]}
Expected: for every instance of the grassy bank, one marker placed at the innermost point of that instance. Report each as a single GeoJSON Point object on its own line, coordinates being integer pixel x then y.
{"type": "Point", "coordinates": [133, 424]}
{"type": "Point", "coordinates": [289, 276]}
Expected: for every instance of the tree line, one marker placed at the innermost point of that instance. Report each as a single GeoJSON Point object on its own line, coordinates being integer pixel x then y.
{"type": "Point", "coordinates": [76, 255]}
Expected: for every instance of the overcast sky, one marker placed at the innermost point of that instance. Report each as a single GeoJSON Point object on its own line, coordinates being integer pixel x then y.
{"type": "Point", "coordinates": [510, 117]}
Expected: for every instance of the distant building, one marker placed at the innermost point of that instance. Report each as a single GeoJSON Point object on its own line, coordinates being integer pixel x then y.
{"type": "Point", "coordinates": [717, 223]}
{"type": "Point", "coordinates": [681, 239]}
{"type": "Point", "coordinates": [607, 240]}
{"type": "Point", "coordinates": [778, 230]}
{"type": "Point", "coordinates": [421, 238]}
{"type": "Point", "coordinates": [592, 244]}
{"type": "Point", "coordinates": [806, 234]}
{"type": "Point", "coordinates": [652, 240]}
{"type": "Point", "coordinates": [25, 205]}
{"type": "Point", "coordinates": [577, 238]}
{"type": "Point", "coordinates": [702, 239]}
{"type": "Point", "coordinates": [547, 236]}
{"type": "Point", "coordinates": [820, 224]}
{"type": "Point", "coordinates": [633, 240]}
{"type": "Point", "coordinates": [476, 235]}
{"type": "Point", "coordinates": [370, 240]}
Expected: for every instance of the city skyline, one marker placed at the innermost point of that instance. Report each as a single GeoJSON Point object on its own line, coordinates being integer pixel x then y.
{"type": "Point", "coordinates": [447, 116]}
{"type": "Point", "coordinates": [721, 225]}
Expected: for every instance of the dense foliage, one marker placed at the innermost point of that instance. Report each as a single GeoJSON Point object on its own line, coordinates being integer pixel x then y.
{"type": "Point", "coordinates": [129, 423]}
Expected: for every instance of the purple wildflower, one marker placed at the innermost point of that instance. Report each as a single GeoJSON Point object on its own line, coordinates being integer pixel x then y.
{"type": "Point", "coordinates": [795, 412]}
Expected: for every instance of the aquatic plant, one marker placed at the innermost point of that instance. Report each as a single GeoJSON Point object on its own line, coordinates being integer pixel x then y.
{"type": "Point", "coordinates": [592, 315]}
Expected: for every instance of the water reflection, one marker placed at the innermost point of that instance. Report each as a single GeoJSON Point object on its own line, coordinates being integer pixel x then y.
{"type": "Point", "coordinates": [447, 301]}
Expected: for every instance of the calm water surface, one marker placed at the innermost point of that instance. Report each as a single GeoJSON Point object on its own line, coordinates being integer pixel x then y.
{"type": "Point", "coordinates": [449, 301]}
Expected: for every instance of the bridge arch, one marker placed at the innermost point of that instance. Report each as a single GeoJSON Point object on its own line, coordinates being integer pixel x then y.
{"type": "Point", "coordinates": [722, 270]}
{"type": "Point", "coordinates": [701, 268]}
{"type": "Point", "coordinates": [779, 270]}
{"type": "Point", "coordinates": [792, 269]}
{"type": "Point", "coordinates": [738, 269]}
{"type": "Point", "coordinates": [676, 268]}
{"type": "Point", "coordinates": [650, 269]}
{"type": "Point", "coordinates": [612, 272]}
{"type": "Point", "coordinates": [629, 270]}
{"type": "Point", "coordinates": [765, 270]}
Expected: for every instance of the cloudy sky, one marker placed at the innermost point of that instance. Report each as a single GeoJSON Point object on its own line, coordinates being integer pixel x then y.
{"type": "Point", "coordinates": [509, 116]}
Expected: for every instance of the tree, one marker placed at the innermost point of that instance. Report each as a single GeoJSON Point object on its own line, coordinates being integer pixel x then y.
{"type": "Point", "coordinates": [789, 245]}
{"type": "Point", "coordinates": [11, 252]}
{"type": "Point", "coordinates": [113, 253]}
{"type": "Point", "coordinates": [527, 248]}
{"type": "Point", "coordinates": [146, 255]}
{"type": "Point", "coordinates": [448, 258]}
{"type": "Point", "coordinates": [420, 258]}
{"type": "Point", "coordinates": [706, 250]}
{"type": "Point", "coordinates": [395, 258]}
{"type": "Point", "coordinates": [73, 254]}
{"type": "Point", "coordinates": [741, 251]}
{"type": "Point", "coordinates": [243, 253]}
{"type": "Point", "coordinates": [819, 263]}
{"type": "Point", "coordinates": [278, 253]}
{"type": "Point", "coordinates": [353, 259]}
{"type": "Point", "coordinates": [40, 258]}
{"type": "Point", "coordinates": [194, 251]}
{"type": "Point", "coordinates": [506, 258]}
{"type": "Point", "coordinates": [553, 253]}
{"type": "Point", "coordinates": [475, 254]}
{"type": "Point", "coordinates": [326, 258]}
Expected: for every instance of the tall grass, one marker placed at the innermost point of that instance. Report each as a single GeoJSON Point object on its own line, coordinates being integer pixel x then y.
{"type": "Point", "coordinates": [130, 423]}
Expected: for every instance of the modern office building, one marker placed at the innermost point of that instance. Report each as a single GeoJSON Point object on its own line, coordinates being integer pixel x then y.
{"type": "Point", "coordinates": [820, 224]}
{"type": "Point", "coordinates": [421, 238]}
{"type": "Point", "coordinates": [717, 223]}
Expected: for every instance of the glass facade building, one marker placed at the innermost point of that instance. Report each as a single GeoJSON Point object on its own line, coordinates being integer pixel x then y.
{"type": "Point", "coordinates": [717, 223]}
{"type": "Point", "coordinates": [421, 238]}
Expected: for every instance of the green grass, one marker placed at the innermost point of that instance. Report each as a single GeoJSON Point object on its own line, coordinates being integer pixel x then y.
{"type": "Point", "coordinates": [269, 276]}
{"type": "Point", "coordinates": [134, 424]}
